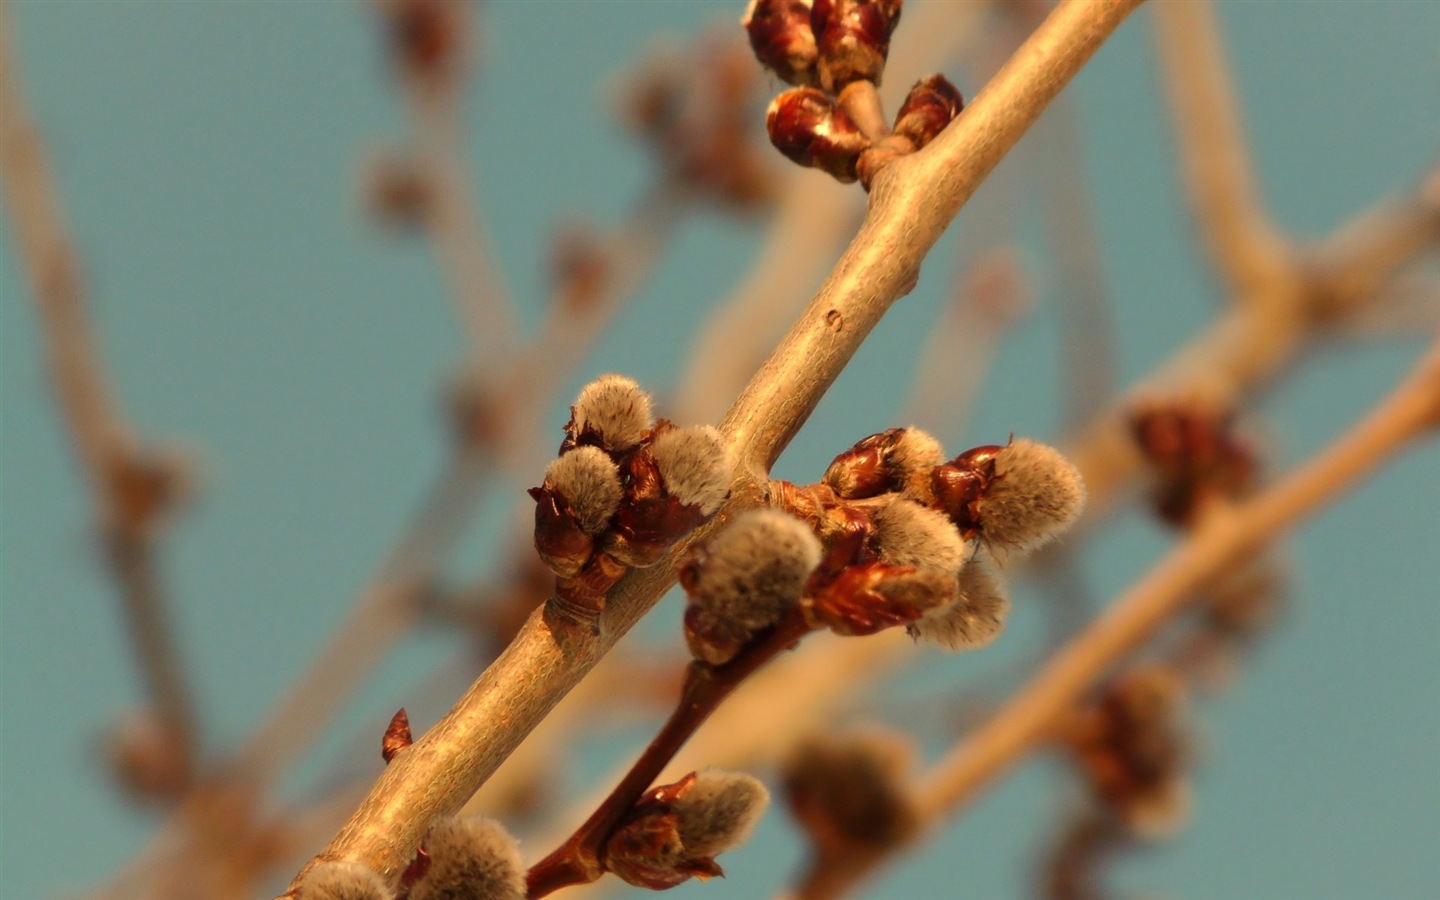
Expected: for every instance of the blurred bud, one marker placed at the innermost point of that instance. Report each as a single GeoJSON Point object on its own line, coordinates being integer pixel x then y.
{"type": "Point", "coordinates": [849, 792]}
{"type": "Point", "coordinates": [931, 105]}
{"type": "Point", "coordinates": [612, 412]}
{"type": "Point", "coordinates": [1016, 497]}
{"type": "Point", "coordinates": [908, 534]}
{"type": "Point", "coordinates": [744, 580]}
{"type": "Point", "coordinates": [780, 35]}
{"type": "Point", "coordinates": [975, 619]}
{"type": "Point", "coordinates": [148, 484]}
{"type": "Point", "coordinates": [675, 831]}
{"type": "Point", "coordinates": [580, 495]}
{"type": "Point", "coordinates": [580, 268]}
{"type": "Point", "coordinates": [343, 881]}
{"type": "Point", "coordinates": [397, 190]}
{"type": "Point", "coordinates": [853, 39]}
{"type": "Point", "coordinates": [807, 126]}
{"type": "Point", "coordinates": [888, 461]}
{"type": "Point", "coordinates": [1196, 455]}
{"type": "Point", "coordinates": [148, 758]}
{"type": "Point", "coordinates": [427, 38]}
{"type": "Point", "coordinates": [470, 856]}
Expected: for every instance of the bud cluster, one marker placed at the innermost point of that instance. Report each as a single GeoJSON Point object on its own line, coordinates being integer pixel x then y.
{"type": "Point", "coordinates": [1196, 453]}
{"type": "Point", "coordinates": [675, 831]}
{"type": "Point", "coordinates": [889, 537]}
{"type": "Point", "coordinates": [623, 489]}
{"type": "Point", "coordinates": [1133, 750]}
{"type": "Point", "coordinates": [834, 52]}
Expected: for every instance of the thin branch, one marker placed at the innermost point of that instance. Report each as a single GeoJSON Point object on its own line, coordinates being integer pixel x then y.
{"type": "Point", "coordinates": [1244, 246]}
{"type": "Point", "coordinates": [1223, 538]}
{"type": "Point", "coordinates": [133, 489]}
{"type": "Point", "coordinates": [911, 203]}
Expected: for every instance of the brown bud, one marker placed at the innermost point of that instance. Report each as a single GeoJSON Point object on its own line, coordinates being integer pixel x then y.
{"type": "Point", "coordinates": [580, 494]}
{"type": "Point", "coordinates": [849, 792]}
{"type": "Point", "coordinates": [397, 190]}
{"type": "Point", "coordinates": [853, 38]}
{"type": "Point", "coordinates": [931, 105]}
{"type": "Point", "coordinates": [397, 735]}
{"type": "Point", "coordinates": [780, 34]}
{"type": "Point", "coordinates": [871, 596]}
{"type": "Point", "coordinates": [148, 757]}
{"type": "Point", "coordinates": [1016, 497]}
{"type": "Point", "coordinates": [427, 37]}
{"type": "Point", "coordinates": [883, 462]}
{"type": "Point", "coordinates": [1195, 453]}
{"type": "Point", "coordinates": [810, 129]}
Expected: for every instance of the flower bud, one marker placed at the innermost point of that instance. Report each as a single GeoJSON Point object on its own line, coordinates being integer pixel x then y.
{"type": "Point", "coordinates": [675, 830]}
{"type": "Point", "coordinates": [849, 792]}
{"type": "Point", "coordinates": [908, 534]}
{"type": "Point", "coordinates": [780, 35]}
{"type": "Point", "coordinates": [807, 126]}
{"type": "Point", "coordinates": [580, 495]}
{"type": "Point", "coordinates": [977, 616]}
{"type": "Point", "coordinates": [744, 580]}
{"type": "Point", "coordinates": [931, 105]}
{"type": "Point", "coordinates": [612, 412]}
{"type": "Point", "coordinates": [1016, 497]}
{"type": "Point", "coordinates": [871, 596]}
{"type": "Point", "coordinates": [853, 37]}
{"type": "Point", "coordinates": [883, 462]}
{"type": "Point", "coordinates": [470, 856]}
{"type": "Point", "coordinates": [675, 482]}
{"type": "Point", "coordinates": [343, 881]}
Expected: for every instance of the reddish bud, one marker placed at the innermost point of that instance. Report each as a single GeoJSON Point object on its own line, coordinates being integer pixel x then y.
{"type": "Point", "coordinates": [427, 37]}
{"type": "Point", "coordinates": [810, 129]}
{"type": "Point", "coordinates": [853, 38]}
{"type": "Point", "coordinates": [850, 792]}
{"type": "Point", "coordinates": [780, 35]}
{"type": "Point", "coordinates": [397, 735]}
{"type": "Point", "coordinates": [883, 462]}
{"type": "Point", "coordinates": [931, 105]}
{"type": "Point", "coordinates": [871, 596]}
{"type": "Point", "coordinates": [1196, 455]}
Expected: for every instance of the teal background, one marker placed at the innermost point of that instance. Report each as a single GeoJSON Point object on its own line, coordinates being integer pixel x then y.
{"type": "Point", "coordinates": [205, 154]}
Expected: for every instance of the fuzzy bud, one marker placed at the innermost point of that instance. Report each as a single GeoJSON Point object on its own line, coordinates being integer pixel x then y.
{"type": "Point", "coordinates": [343, 881]}
{"type": "Point", "coordinates": [849, 792]}
{"type": "Point", "coordinates": [612, 412]}
{"type": "Point", "coordinates": [977, 616]}
{"type": "Point", "coordinates": [675, 482]}
{"type": "Point", "coordinates": [853, 37]}
{"type": "Point", "coordinates": [470, 856]}
{"type": "Point", "coordinates": [580, 495]}
{"type": "Point", "coordinates": [888, 461]}
{"type": "Point", "coordinates": [744, 580]}
{"type": "Point", "coordinates": [1016, 497]}
{"type": "Point", "coordinates": [908, 534]}
{"type": "Point", "coordinates": [931, 105]}
{"type": "Point", "coordinates": [780, 35]}
{"type": "Point", "coordinates": [810, 129]}
{"type": "Point", "coordinates": [675, 830]}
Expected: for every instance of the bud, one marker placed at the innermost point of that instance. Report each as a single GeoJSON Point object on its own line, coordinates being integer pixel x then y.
{"type": "Point", "coordinates": [888, 461]}
{"type": "Point", "coordinates": [612, 412]}
{"type": "Point", "coordinates": [343, 881]}
{"type": "Point", "coordinates": [580, 495]}
{"type": "Point", "coordinates": [1016, 497]}
{"type": "Point", "coordinates": [427, 37]}
{"type": "Point", "coordinates": [397, 735]}
{"type": "Point", "coordinates": [908, 534]}
{"type": "Point", "coordinates": [807, 126]}
{"type": "Point", "coordinates": [744, 580]}
{"type": "Point", "coordinates": [397, 189]}
{"type": "Point", "coordinates": [675, 482]}
{"type": "Point", "coordinates": [148, 757]}
{"type": "Point", "coordinates": [853, 38]}
{"type": "Point", "coordinates": [977, 616]}
{"type": "Point", "coordinates": [780, 35]}
{"type": "Point", "coordinates": [470, 856]}
{"type": "Point", "coordinates": [1196, 455]}
{"type": "Point", "coordinates": [871, 596]}
{"type": "Point", "coordinates": [931, 105]}
{"type": "Point", "coordinates": [849, 792]}
{"type": "Point", "coordinates": [675, 830]}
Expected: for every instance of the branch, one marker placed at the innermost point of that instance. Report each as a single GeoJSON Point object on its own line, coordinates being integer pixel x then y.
{"type": "Point", "coordinates": [911, 203]}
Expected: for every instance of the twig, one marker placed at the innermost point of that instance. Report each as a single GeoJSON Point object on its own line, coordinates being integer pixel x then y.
{"type": "Point", "coordinates": [911, 202]}
{"type": "Point", "coordinates": [132, 489]}
{"type": "Point", "coordinates": [1224, 537]}
{"type": "Point", "coordinates": [1244, 246]}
